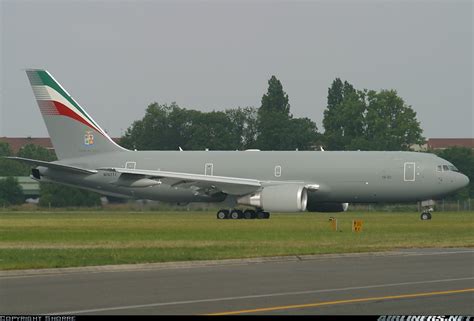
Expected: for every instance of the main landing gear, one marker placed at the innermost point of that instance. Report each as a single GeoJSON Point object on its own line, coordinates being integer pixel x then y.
{"type": "Point", "coordinates": [236, 214]}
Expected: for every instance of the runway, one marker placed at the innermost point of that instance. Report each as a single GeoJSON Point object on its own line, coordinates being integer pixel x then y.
{"type": "Point", "coordinates": [416, 281]}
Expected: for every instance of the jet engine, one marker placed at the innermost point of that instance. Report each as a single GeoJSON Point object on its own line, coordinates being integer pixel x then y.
{"type": "Point", "coordinates": [327, 207]}
{"type": "Point", "coordinates": [278, 198]}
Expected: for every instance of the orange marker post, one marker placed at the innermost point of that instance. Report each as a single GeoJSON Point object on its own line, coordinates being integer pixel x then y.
{"type": "Point", "coordinates": [357, 226]}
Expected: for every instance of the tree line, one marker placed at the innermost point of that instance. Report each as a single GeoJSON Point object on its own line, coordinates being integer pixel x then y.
{"type": "Point", "coordinates": [269, 127]}
{"type": "Point", "coordinates": [353, 119]}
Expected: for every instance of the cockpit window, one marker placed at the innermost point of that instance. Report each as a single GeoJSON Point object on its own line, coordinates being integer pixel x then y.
{"type": "Point", "coordinates": [453, 168]}
{"type": "Point", "coordinates": [445, 168]}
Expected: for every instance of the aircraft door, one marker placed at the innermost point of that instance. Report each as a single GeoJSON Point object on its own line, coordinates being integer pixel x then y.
{"type": "Point", "coordinates": [130, 165]}
{"type": "Point", "coordinates": [409, 172]}
{"type": "Point", "coordinates": [209, 169]}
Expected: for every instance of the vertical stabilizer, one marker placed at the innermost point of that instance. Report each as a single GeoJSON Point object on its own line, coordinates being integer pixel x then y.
{"type": "Point", "coordinates": [73, 132]}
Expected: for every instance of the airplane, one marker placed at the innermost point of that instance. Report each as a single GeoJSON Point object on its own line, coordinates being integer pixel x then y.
{"type": "Point", "coordinates": [250, 183]}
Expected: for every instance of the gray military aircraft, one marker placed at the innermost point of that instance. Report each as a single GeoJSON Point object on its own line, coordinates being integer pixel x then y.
{"type": "Point", "coordinates": [281, 181]}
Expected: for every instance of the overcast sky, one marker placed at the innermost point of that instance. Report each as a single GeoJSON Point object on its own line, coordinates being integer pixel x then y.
{"type": "Point", "coordinates": [117, 57]}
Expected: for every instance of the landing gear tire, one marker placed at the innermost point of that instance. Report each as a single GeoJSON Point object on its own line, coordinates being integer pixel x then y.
{"type": "Point", "coordinates": [236, 214]}
{"type": "Point", "coordinates": [263, 215]}
{"type": "Point", "coordinates": [427, 208]}
{"type": "Point", "coordinates": [249, 214]}
{"type": "Point", "coordinates": [425, 216]}
{"type": "Point", "coordinates": [223, 214]}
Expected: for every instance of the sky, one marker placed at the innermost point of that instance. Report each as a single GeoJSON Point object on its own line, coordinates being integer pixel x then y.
{"type": "Point", "coordinates": [117, 57]}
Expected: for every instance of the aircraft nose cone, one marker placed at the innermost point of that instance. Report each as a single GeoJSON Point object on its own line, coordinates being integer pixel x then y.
{"type": "Point", "coordinates": [464, 181]}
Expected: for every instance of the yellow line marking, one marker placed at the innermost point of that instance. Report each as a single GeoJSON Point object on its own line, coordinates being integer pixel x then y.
{"type": "Point", "coordinates": [312, 305]}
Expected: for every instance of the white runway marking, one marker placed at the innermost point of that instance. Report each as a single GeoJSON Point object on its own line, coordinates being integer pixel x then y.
{"type": "Point", "coordinates": [254, 296]}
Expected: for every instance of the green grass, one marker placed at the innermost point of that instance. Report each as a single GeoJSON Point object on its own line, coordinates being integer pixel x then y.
{"type": "Point", "coordinates": [45, 240]}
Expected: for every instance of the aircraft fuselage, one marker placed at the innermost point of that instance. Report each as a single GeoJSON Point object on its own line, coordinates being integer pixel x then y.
{"type": "Point", "coordinates": [347, 176]}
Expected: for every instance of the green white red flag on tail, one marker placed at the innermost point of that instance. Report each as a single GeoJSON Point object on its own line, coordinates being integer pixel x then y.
{"type": "Point", "coordinates": [53, 99]}
{"type": "Point", "coordinates": [73, 132]}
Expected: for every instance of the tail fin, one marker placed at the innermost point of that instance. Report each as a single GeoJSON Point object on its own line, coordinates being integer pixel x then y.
{"type": "Point", "coordinates": [73, 132]}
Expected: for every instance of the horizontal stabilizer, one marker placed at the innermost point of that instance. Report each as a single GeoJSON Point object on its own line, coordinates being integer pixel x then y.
{"type": "Point", "coordinates": [53, 165]}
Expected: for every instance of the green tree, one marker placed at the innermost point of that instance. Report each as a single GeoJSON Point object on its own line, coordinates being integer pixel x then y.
{"type": "Point", "coordinates": [33, 151]}
{"type": "Point", "coordinates": [341, 97]}
{"type": "Point", "coordinates": [271, 127]}
{"type": "Point", "coordinates": [351, 127]}
{"type": "Point", "coordinates": [9, 167]}
{"type": "Point", "coordinates": [169, 127]}
{"type": "Point", "coordinates": [150, 132]}
{"type": "Point", "coordinates": [391, 123]}
{"type": "Point", "coordinates": [275, 100]}
{"type": "Point", "coordinates": [162, 128]}
{"type": "Point", "coordinates": [463, 159]}
{"type": "Point", "coordinates": [277, 129]}
{"type": "Point", "coordinates": [5, 149]}
{"type": "Point", "coordinates": [244, 126]}
{"type": "Point", "coordinates": [304, 134]}
{"type": "Point", "coordinates": [274, 131]}
{"type": "Point", "coordinates": [368, 120]}
{"type": "Point", "coordinates": [57, 195]}
{"type": "Point", "coordinates": [274, 118]}
{"type": "Point", "coordinates": [212, 130]}
{"type": "Point", "coordinates": [10, 192]}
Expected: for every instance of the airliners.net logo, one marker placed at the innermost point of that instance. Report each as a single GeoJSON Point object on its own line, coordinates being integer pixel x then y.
{"type": "Point", "coordinates": [424, 318]}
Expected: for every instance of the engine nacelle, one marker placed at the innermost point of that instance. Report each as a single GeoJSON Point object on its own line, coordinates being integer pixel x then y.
{"type": "Point", "coordinates": [278, 198]}
{"type": "Point", "coordinates": [327, 207]}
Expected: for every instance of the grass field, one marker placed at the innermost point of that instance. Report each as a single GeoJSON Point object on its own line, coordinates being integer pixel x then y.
{"type": "Point", "coordinates": [64, 239]}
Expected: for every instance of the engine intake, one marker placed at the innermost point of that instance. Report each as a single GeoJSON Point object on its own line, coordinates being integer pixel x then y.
{"type": "Point", "coordinates": [278, 198]}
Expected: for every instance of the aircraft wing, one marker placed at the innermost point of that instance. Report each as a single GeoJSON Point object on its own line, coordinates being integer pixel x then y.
{"type": "Point", "coordinates": [207, 184]}
{"type": "Point", "coordinates": [201, 183]}
{"type": "Point", "coordinates": [53, 165]}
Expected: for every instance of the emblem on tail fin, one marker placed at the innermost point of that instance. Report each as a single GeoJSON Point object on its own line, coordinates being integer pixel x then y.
{"type": "Point", "coordinates": [88, 138]}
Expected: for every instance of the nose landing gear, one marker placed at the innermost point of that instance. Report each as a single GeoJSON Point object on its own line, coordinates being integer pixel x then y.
{"type": "Point", "coordinates": [427, 209]}
{"type": "Point", "coordinates": [425, 216]}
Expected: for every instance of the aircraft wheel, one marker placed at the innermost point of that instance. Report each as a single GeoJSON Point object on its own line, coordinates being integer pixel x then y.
{"type": "Point", "coordinates": [425, 216]}
{"type": "Point", "coordinates": [267, 215]}
{"type": "Point", "coordinates": [236, 214]}
{"type": "Point", "coordinates": [261, 215]}
{"type": "Point", "coordinates": [222, 214]}
{"type": "Point", "coordinates": [249, 214]}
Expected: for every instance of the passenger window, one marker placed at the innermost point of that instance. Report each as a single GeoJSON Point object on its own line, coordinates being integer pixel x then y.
{"type": "Point", "coordinates": [445, 168]}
